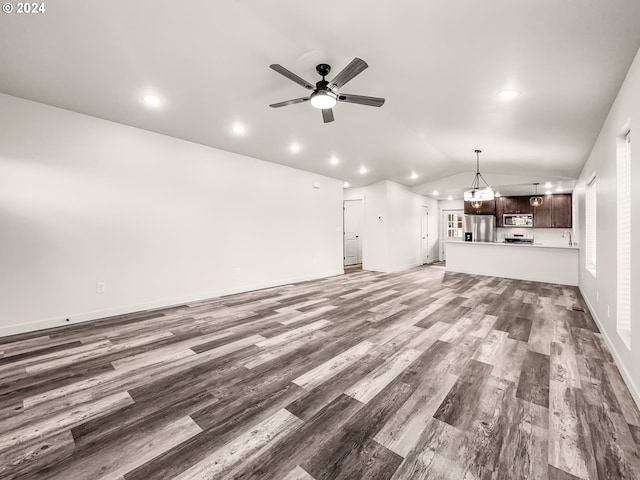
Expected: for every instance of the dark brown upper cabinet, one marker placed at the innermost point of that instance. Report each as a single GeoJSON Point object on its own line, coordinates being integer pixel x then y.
{"type": "Point", "coordinates": [511, 205]}
{"type": "Point", "coordinates": [487, 208]}
{"type": "Point", "coordinates": [517, 205]}
{"type": "Point", "coordinates": [500, 201]}
{"type": "Point", "coordinates": [555, 212]}
{"type": "Point", "coordinates": [542, 214]}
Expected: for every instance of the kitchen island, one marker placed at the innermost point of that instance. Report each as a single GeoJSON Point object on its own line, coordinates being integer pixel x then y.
{"type": "Point", "coordinates": [539, 263]}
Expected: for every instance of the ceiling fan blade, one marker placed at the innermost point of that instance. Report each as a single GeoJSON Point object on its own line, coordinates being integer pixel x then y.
{"type": "Point", "coordinates": [289, 102]}
{"type": "Point", "coordinates": [356, 67]}
{"type": "Point", "coordinates": [361, 99]}
{"type": "Point", "coordinates": [291, 76]}
{"type": "Point", "coordinates": [327, 115]}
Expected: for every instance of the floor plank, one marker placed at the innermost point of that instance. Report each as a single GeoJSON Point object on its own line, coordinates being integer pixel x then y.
{"type": "Point", "coordinates": [419, 374]}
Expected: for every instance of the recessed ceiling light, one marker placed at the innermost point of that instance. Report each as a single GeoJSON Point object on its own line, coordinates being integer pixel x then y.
{"type": "Point", "coordinates": [548, 185]}
{"type": "Point", "coordinates": [414, 175]}
{"type": "Point", "coordinates": [508, 94]}
{"type": "Point", "coordinates": [548, 192]}
{"type": "Point", "coordinates": [363, 170]}
{"type": "Point", "coordinates": [153, 100]}
{"type": "Point", "coordinates": [294, 147]}
{"type": "Point", "coordinates": [334, 161]}
{"type": "Point", "coordinates": [345, 184]}
{"type": "Point", "coordinates": [496, 194]}
{"type": "Point", "coordinates": [238, 129]}
{"type": "Point", "coordinates": [435, 193]}
{"type": "Point", "coordinates": [449, 197]}
{"type": "Point", "coordinates": [559, 189]}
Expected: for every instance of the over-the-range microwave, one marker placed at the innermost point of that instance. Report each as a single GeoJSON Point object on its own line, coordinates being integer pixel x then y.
{"type": "Point", "coordinates": [517, 220]}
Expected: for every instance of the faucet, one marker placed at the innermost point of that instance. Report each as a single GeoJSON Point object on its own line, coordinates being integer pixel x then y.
{"type": "Point", "coordinates": [567, 232]}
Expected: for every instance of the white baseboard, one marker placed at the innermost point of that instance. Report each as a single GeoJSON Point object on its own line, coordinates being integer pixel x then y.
{"type": "Point", "coordinates": [633, 388]}
{"type": "Point", "coordinates": [153, 305]}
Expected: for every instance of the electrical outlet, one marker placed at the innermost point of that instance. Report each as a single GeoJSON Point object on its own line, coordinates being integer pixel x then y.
{"type": "Point", "coordinates": [101, 287]}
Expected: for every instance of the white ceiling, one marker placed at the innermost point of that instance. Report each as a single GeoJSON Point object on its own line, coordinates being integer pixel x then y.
{"type": "Point", "coordinates": [438, 63]}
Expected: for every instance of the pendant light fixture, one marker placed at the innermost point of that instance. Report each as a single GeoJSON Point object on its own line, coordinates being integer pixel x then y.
{"type": "Point", "coordinates": [477, 195]}
{"type": "Point", "coordinates": [537, 200]}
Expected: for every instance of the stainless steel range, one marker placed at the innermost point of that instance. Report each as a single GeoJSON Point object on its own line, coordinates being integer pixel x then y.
{"type": "Point", "coordinates": [526, 238]}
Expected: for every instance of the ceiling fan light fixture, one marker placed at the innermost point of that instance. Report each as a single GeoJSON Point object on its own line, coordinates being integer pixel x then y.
{"type": "Point", "coordinates": [323, 99]}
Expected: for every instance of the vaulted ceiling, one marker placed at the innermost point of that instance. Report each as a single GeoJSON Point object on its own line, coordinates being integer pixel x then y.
{"type": "Point", "coordinates": [439, 63]}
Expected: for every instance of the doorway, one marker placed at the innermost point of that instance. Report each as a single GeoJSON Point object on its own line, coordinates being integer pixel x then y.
{"type": "Point", "coordinates": [424, 235]}
{"type": "Point", "coordinates": [451, 230]}
{"type": "Point", "coordinates": [353, 213]}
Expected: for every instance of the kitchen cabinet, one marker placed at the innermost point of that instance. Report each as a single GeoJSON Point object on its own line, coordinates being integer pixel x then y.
{"type": "Point", "coordinates": [511, 205]}
{"type": "Point", "coordinates": [517, 205]}
{"type": "Point", "coordinates": [555, 212]}
{"type": "Point", "coordinates": [542, 214]}
{"type": "Point", "coordinates": [500, 201]}
{"type": "Point", "coordinates": [487, 208]}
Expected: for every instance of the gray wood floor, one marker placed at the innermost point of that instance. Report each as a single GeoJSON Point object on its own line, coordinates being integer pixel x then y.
{"type": "Point", "coordinates": [419, 374]}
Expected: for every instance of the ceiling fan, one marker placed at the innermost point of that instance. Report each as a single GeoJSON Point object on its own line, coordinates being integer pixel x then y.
{"type": "Point", "coordinates": [325, 94]}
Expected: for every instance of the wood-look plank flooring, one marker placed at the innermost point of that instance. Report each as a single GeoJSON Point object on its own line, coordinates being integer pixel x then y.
{"type": "Point", "coordinates": [414, 375]}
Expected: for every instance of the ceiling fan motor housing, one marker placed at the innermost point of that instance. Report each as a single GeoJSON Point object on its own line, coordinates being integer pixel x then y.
{"type": "Point", "coordinates": [323, 69]}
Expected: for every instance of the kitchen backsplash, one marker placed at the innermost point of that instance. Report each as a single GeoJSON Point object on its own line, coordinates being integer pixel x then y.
{"type": "Point", "coordinates": [544, 236]}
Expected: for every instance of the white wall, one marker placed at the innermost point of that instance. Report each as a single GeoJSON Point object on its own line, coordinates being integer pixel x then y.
{"type": "Point", "coordinates": [600, 291]}
{"type": "Point", "coordinates": [392, 228]}
{"type": "Point", "coordinates": [451, 205]}
{"type": "Point", "coordinates": [405, 230]}
{"type": "Point", "coordinates": [159, 220]}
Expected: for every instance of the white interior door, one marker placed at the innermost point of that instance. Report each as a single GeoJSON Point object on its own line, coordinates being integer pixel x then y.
{"type": "Point", "coordinates": [352, 232]}
{"type": "Point", "coordinates": [451, 230]}
{"type": "Point", "coordinates": [424, 234]}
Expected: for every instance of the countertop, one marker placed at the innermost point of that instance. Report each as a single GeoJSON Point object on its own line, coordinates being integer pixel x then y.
{"type": "Point", "coordinates": [518, 245]}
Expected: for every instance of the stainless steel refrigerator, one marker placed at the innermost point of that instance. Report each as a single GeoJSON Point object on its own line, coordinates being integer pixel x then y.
{"type": "Point", "coordinates": [479, 228]}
